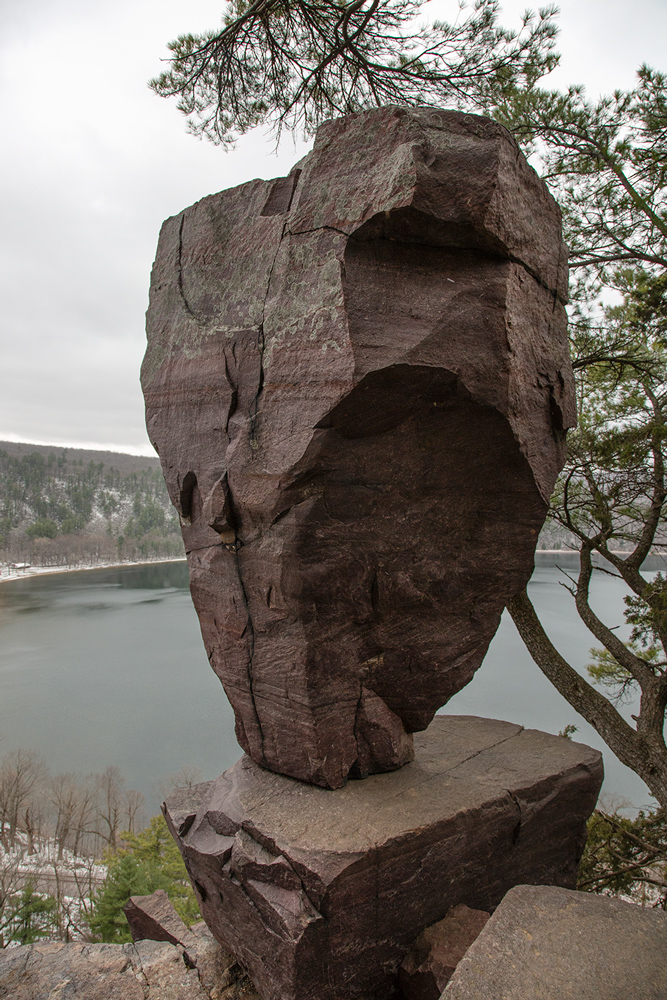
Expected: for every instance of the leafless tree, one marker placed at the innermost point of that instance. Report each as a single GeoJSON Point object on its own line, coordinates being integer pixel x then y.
{"type": "Point", "coordinates": [85, 816]}
{"type": "Point", "coordinates": [111, 805]}
{"type": "Point", "coordinates": [185, 777]}
{"type": "Point", "coordinates": [134, 804]}
{"type": "Point", "coordinates": [10, 885]}
{"type": "Point", "coordinates": [21, 771]}
{"type": "Point", "coordinates": [73, 799]}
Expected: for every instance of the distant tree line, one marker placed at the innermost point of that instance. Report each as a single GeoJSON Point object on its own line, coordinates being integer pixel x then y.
{"type": "Point", "coordinates": [55, 510]}
{"type": "Point", "coordinates": [54, 830]}
{"type": "Point", "coordinates": [81, 814]}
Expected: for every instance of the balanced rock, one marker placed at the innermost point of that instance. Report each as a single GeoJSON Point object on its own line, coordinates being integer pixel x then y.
{"type": "Point", "coordinates": [547, 943]}
{"type": "Point", "coordinates": [357, 380]}
{"type": "Point", "coordinates": [320, 893]}
{"type": "Point", "coordinates": [432, 959]}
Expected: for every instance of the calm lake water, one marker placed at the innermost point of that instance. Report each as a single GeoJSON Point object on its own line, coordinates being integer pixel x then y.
{"type": "Point", "coordinates": [108, 667]}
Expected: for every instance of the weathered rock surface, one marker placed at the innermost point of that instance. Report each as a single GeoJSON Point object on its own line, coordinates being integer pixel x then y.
{"type": "Point", "coordinates": [320, 893]}
{"type": "Point", "coordinates": [148, 970]}
{"type": "Point", "coordinates": [546, 943]}
{"type": "Point", "coordinates": [432, 959]}
{"type": "Point", "coordinates": [357, 380]}
{"type": "Point", "coordinates": [153, 918]}
{"type": "Point", "coordinates": [145, 970]}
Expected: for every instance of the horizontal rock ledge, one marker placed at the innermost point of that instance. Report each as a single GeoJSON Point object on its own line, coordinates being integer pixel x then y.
{"type": "Point", "coordinates": [320, 893]}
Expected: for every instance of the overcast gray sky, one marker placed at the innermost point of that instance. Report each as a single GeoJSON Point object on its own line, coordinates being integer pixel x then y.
{"type": "Point", "coordinates": [93, 162]}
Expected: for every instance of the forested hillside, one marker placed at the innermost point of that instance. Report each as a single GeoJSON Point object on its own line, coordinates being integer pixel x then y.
{"type": "Point", "coordinates": [61, 507]}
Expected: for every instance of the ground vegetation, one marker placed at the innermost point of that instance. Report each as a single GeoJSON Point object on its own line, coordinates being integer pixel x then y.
{"type": "Point", "coordinates": [143, 862]}
{"type": "Point", "coordinates": [74, 848]}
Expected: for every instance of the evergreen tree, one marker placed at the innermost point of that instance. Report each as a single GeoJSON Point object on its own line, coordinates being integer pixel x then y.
{"type": "Point", "coordinates": [627, 857]}
{"type": "Point", "coordinates": [146, 861]}
{"type": "Point", "coordinates": [154, 844]}
{"type": "Point", "coordinates": [27, 916]}
{"type": "Point", "coordinates": [612, 499]}
{"type": "Point", "coordinates": [605, 161]}
{"type": "Point", "coordinates": [127, 876]}
{"type": "Point", "coordinates": [290, 64]}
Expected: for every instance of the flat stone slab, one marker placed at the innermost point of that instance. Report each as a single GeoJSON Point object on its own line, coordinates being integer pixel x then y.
{"type": "Point", "coordinates": [320, 893]}
{"type": "Point", "coordinates": [547, 943]}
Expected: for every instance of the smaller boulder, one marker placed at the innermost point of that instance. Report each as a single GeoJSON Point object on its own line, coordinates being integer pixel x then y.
{"type": "Point", "coordinates": [153, 918]}
{"type": "Point", "coordinates": [432, 959]}
{"type": "Point", "coordinates": [547, 943]}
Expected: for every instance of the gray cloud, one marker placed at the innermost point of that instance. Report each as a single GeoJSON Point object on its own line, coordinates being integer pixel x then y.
{"type": "Point", "coordinates": [92, 164]}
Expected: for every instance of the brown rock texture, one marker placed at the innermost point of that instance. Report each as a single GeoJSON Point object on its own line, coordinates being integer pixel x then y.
{"type": "Point", "coordinates": [320, 893]}
{"type": "Point", "coordinates": [547, 943]}
{"type": "Point", "coordinates": [357, 380]}
{"type": "Point", "coordinates": [153, 918]}
{"type": "Point", "coordinates": [431, 960]}
{"type": "Point", "coordinates": [145, 970]}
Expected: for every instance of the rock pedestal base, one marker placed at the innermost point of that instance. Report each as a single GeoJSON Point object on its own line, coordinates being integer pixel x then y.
{"type": "Point", "coordinates": [320, 893]}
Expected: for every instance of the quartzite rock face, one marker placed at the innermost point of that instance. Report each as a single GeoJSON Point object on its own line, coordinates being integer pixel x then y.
{"type": "Point", "coordinates": [357, 380]}
{"type": "Point", "coordinates": [320, 893]}
{"type": "Point", "coordinates": [544, 943]}
{"type": "Point", "coordinates": [153, 918]}
{"type": "Point", "coordinates": [53, 970]}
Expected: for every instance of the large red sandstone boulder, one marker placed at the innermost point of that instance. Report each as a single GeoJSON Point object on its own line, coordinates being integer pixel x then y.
{"type": "Point", "coordinates": [321, 893]}
{"type": "Point", "coordinates": [357, 380]}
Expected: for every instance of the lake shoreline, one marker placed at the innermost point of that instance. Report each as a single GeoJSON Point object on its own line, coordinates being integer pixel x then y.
{"type": "Point", "coordinates": [34, 571]}
{"type": "Point", "coordinates": [543, 558]}
{"type": "Point", "coordinates": [109, 669]}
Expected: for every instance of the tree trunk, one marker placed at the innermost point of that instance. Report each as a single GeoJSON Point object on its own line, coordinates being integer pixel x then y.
{"type": "Point", "coordinates": [644, 758]}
